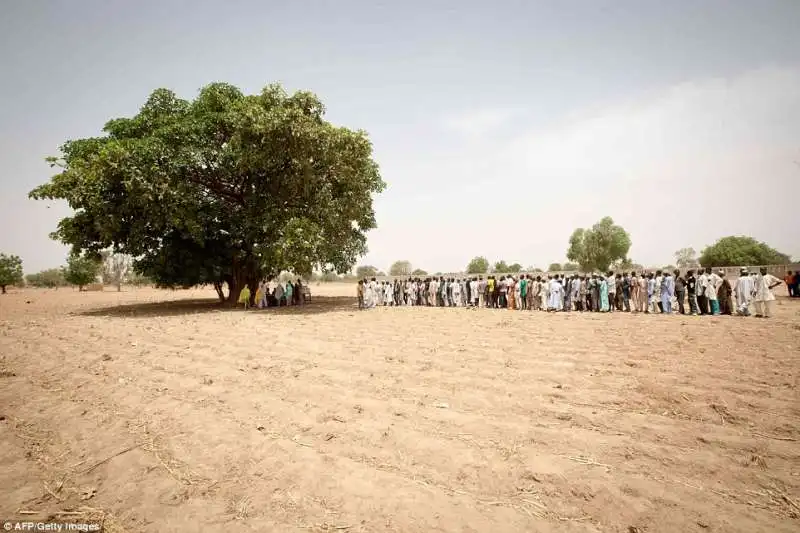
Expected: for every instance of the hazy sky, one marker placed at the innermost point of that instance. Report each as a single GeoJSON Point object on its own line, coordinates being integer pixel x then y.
{"type": "Point", "coordinates": [499, 126]}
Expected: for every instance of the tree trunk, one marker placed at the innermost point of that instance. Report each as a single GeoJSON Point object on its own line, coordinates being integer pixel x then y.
{"type": "Point", "coordinates": [218, 288]}
{"type": "Point", "coordinates": [4, 288]}
{"type": "Point", "coordinates": [119, 286]}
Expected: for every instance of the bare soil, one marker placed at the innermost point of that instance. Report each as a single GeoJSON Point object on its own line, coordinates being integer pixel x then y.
{"type": "Point", "coordinates": [159, 411]}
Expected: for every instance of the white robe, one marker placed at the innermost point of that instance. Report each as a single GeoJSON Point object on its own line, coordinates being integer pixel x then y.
{"type": "Point", "coordinates": [456, 293]}
{"type": "Point", "coordinates": [762, 292]}
{"type": "Point", "coordinates": [744, 292]}
{"type": "Point", "coordinates": [556, 295]}
{"type": "Point", "coordinates": [388, 294]}
{"type": "Point", "coordinates": [473, 289]}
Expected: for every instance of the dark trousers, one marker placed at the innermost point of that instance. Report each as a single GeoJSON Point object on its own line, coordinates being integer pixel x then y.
{"type": "Point", "coordinates": [702, 304]}
{"type": "Point", "coordinates": [681, 295]}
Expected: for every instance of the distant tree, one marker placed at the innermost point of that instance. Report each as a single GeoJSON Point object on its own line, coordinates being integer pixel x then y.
{"type": "Point", "coordinates": [514, 268]}
{"type": "Point", "coordinates": [500, 267]}
{"type": "Point", "coordinates": [400, 268]}
{"type": "Point", "coordinates": [82, 270]}
{"type": "Point", "coordinates": [736, 251]}
{"type": "Point", "coordinates": [478, 265]}
{"type": "Point", "coordinates": [570, 267]}
{"type": "Point", "coordinates": [116, 268]}
{"type": "Point", "coordinates": [686, 258]}
{"type": "Point", "coordinates": [419, 272]}
{"type": "Point", "coordinates": [668, 268]}
{"type": "Point", "coordinates": [10, 271]}
{"type": "Point", "coordinates": [381, 274]}
{"type": "Point", "coordinates": [366, 271]}
{"type": "Point", "coordinates": [598, 247]}
{"type": "Point", "coordinates": [554, 267]}
{"type": "Point", "coordinates": [51, 278]}
{"type": "Point", "coordinates": [438, 274]}
{"type": "Point", "coordinates": [535, 269]}
{"type": "Point", "coordinates": [626, 264]}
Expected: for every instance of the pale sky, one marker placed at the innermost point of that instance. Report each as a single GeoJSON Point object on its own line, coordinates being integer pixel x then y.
{"type": "Point", "coordinates": [499, 126]}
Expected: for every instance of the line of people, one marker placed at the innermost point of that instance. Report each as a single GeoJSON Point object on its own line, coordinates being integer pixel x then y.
{"type": "Point", "coordinates": [707, 293]}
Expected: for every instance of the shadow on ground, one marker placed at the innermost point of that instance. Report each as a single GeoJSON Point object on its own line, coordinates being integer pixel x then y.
{"type": "Point", "coordinates": [319, 304]}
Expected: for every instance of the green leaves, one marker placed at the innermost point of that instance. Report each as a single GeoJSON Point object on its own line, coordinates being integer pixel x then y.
{"type": "Point", "coordinates": [737, 251]}
{"type": "Point", "coordinates": [10, 271]}
{"type": "Point", "coordinates": [597, 248]}
{"type": "Point", "coordinates": [82, 270]}
{"type": "Point", "coordinates": [478, 265]}
{"type": "Point", "coordinates": [223, 188]}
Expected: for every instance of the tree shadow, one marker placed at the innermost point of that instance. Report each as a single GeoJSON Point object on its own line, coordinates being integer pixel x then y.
{"type": "Point", "coordinates": [318, 305]}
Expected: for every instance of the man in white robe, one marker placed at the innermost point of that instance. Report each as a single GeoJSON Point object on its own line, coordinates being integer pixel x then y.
{"type": "Point", "coordinates": [744, 293]}
{"type": "Point", "coordinates": [763, 297]}
{"type": "Point", "coordinates": [456, 292]}
{"type": "Point", "coordinates": [544, 293]}
{"type": "Point", "coordinates": [555, 300]}
{"type": "Point", "coordinates": [473, 290]}
{"type": "Point", "coordinates": [388, 294]}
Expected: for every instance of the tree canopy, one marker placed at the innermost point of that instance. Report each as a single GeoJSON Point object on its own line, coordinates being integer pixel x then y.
{"type": "Point", "coordinates": [10, 271]}
{"type": "Point", "coordinates": [514, 268]}
{"type": "Point", "coordinates": [226, 188]}
{"type": "Point", "coordinates": [569, 267]}
{"type": "Point", "coordinates": [366, 271]}
{"type": "Point", "coordinates": [686, 258]}
{"type": "Point", "coordinates": [738, 251]}
{"type": "Point", "coordinates": [419, 272]}
{"type": "Point", "coordinates": [82, 270]}
{"type": "Point", "coordinates": [554, 267]}
{"type": "Point", "coordinates": [598, 247]}
{"type": "Point", "coordinates": [400, 268]}
{"type": "Point", "coordinates": [478, 265]}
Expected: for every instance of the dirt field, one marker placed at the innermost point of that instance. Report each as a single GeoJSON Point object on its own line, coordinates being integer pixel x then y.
{"type": "Point", "coordinates": [394, 420]}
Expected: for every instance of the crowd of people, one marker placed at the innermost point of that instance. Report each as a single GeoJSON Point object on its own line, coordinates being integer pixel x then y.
{"type": "Point", "coordinates": [707, 292]}
{"type": "Point", "coordinates": [275, 294]}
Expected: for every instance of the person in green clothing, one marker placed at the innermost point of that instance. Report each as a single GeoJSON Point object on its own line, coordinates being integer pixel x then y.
{"type": "Point", "coordinates": [244, 296]}
{"type": "Point", "coordinates": [289, 292]}
{"type": "Point", "coordinates": [523, 292]}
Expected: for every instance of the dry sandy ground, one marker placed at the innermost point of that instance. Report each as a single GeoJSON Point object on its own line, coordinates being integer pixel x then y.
{"type": "Point", "coordinates": [394, 420]}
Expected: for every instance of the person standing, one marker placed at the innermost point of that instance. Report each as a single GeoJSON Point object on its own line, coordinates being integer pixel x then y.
{"type": "Point", "coordinates": [789, 280]}
{"type": "Point", "coordinates": [712, 285]}
{"type": "Point", "coordinates": [555, 302]}
{"type": "Point", "coordinates": [744, 292]}
{"type": "Point", "coordinates": [523, 292]}
{"type": "Point", "coordinates": [473, 291]}
{"type": "Point", "coordinates": [763, 297]}
{"type": "Point", "coordinates": [481, 292]}
{"type": "Point", "coordinates": [388, 294]}
{"type": "Point", "coordinates": [652, 306]}
{"type": "Point", "coordinates": [724, 295]}
{"type": "Point", "coordinates": [658, 279]}
{"type": "Point", "coordinates": [691, 291]}
{"type": "Point", "coordinates": [667, 292]}
{"type": "Point", "coordinates": [611, 287]}
{"type": "Point", "coordinates": [680, 291]}
{"type": "Point", "coordinates": [604, 307]}
{"type": "Point", "coordinates": [634, 284]}
{"type": "Point", "coordinates": [360, 294]}
{"type": "Point", "coordinates": [702, 285]}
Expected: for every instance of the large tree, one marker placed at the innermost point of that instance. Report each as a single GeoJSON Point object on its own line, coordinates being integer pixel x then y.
{"type": "Point", "coordinates": [596, 248]}
{"type": "Point", "coordinates": [738, 251]}
{"type": "Point", "coordinates": [686, 258]}
{"type": "Point", "coordinates": [225, 189]}
{"type": "Point", "coordinates": [478, 265]}
{"type": "Point", "coordinates": [570, 267]}
{"type": "Point", "coordinates": [82, 270]}
{"type": "Point", "coordinates": [514, 268]}
{"type": "Point", "coordinates": [419, 272]}
{"type": "Point", "coordinates": [554, 267]}
{"type": "Point", "coordinates": [400, 268]}
{"type": "Point", "coordinates": [10, 271]}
